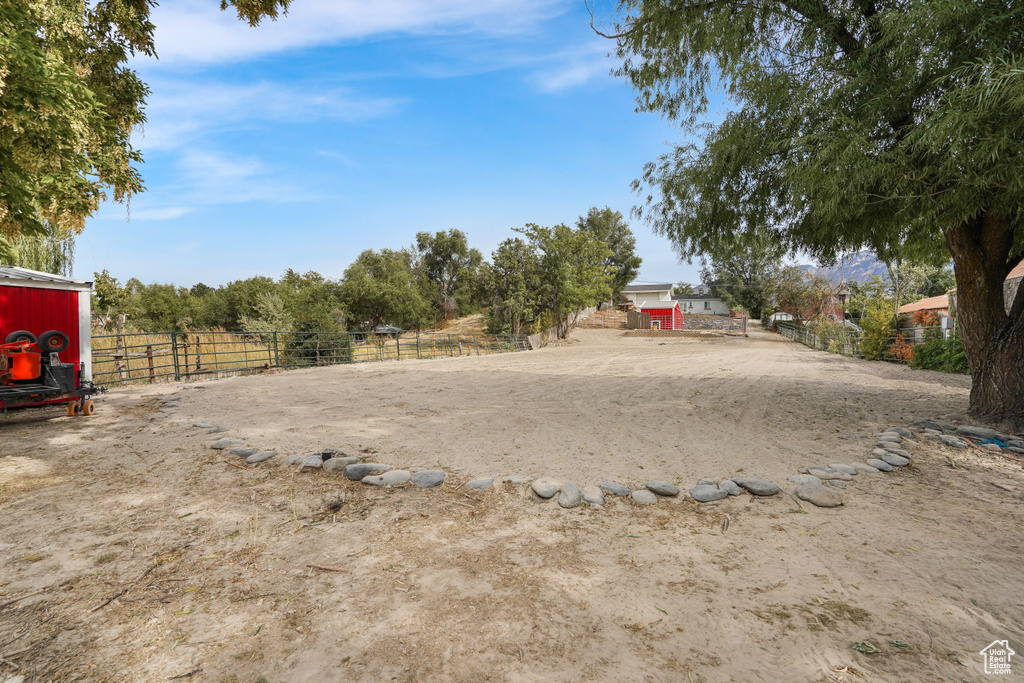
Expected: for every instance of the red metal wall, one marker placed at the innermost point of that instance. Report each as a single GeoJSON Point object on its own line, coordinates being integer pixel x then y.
{"type": "Point", "coordinates": [39, 310]}
{"type": "Point", "coordinates": [668, 317]}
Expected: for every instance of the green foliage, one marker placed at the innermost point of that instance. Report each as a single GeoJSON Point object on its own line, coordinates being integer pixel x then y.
{"type": "Point", "coordinates": [52, 251]}
{"type": "Point", "coordinates": [802, 294]}
{"type": "Point", "coordinates": [271, 316]}
{"type": "Point", "coordinates": [513, 287]}
{"type": "Point", "coordinates": [573, 271]}
{"type": "Point", "coordinates": [382, 288]}
{"type": "Point", "coordinates": [682, 289]}
{"type": "Point", "coordinates": [936, 353]}
{"type": "Point", "coordinates": [452, 267]}
{"type": "Point", "coordinates": [610, 227]}
{"type": "Point", "coordinates": [743, 276]}
{"type": "Point", "coordinates": [878, 325]}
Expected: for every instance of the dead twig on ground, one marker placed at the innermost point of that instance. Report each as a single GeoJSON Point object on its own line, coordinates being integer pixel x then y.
{"type": "Point", "coordinates": [233, 464]}
{"type": "Point", "coordinates": [189, 674]}
{"type": "Point", "coordinates": [325, 568]}
{"type": "Point", "coordinates": [465, 505]}
{"type": "Point", "coordinates": [23, 597]}
{"type": "Point", "coordinates": [725, 524]}
{"type": "Point", "coordinates": [124, 590]}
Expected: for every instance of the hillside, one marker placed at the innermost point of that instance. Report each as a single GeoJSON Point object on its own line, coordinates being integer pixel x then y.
{"type": "Point", "coordinates": [858, 267]}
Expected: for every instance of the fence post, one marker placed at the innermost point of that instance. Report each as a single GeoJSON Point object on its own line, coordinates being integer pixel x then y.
{"type": "Point", "coordinates": [348, 343]}
{"type": "Point", "coordinates": [398, 347]}
{"type": "Point", "coordinates": [277, 353]}
{"type": "Point", "coordinates": [122, 353]}
{"type": "Point", "coordinates": [417, 344]}
{"type": "Point", "coordinates": [199, 359]}
{"type": "Point", "coordinates": [149, 357]}
{"type": "Point", "coordinates": [174, 353]}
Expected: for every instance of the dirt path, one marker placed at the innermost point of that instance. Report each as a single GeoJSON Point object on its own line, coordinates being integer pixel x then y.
{"type": "Point", "coordinates": [209, 563]}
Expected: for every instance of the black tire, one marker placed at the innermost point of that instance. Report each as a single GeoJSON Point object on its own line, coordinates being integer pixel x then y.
{"type": "Point", "coordinates": [53, 341]}
{"type": "Point", "coordinates": [19, 336]}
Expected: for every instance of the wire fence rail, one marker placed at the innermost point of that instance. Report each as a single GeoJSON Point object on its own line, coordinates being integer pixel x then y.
{"type": "Point", "coordinates": [848, 341]}
{"type": "Point", "coordinates": [177, 356]}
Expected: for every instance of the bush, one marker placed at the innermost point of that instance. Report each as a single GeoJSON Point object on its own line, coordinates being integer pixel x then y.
{"type": "Point", "coordinates": [944, 355]}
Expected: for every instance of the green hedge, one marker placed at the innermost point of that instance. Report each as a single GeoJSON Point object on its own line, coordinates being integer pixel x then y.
{"type": "Point", "coordinates": [936, 353]}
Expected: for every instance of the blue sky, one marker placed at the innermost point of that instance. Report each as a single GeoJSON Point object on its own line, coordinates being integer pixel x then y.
{"type": "Point", "coordinates": [351, 125]}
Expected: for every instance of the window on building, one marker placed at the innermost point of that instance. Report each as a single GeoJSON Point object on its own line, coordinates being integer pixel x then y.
{"type": "Point", "coordinates": [707, 305]}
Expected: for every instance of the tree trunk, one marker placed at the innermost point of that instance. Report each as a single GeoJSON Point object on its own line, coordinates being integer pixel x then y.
{"type": "Point", "coordinates": [993, 338]}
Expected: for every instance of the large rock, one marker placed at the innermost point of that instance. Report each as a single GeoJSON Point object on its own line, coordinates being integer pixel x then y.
{"type": "Point", "coordinates": [312, 462]}
{"type": "Point", "coordinates": [816, 494]}
{"type": "Point", "coordinates": [878, 452]}
{"type": "Point", "coordinates": [826, 473]}
{"type": "Point", "coordinates": [335, 464]}
{"type": "Point", "coordinates": [703, 493]}
{"type": "Point", "coordinates": [1015, 443]}
{"type": "Point", "coordinates": [217, 430]}
{"type": "Point", "coordinates": [294, 459]}
{"type": "Point", "coordinates": [202, 425]}
{"type": "Point", "coordinates": [1014, 449]}
{"type": "Point", "coordinates": [570, 496]}
{"type": "Point", "coordinates": [707, 482]}
{"type": "Point", "coordinates": [357, 470]}
{"type": "Point", "coordinates": [481, 484]}
{"type": "Point", "coordinates": [838, 467]}
{"type": "Point", "coordinates": [879, 464]}
{"type": "Point", "coordinates": [614, 488]}
{"type": "Point", "coordinates": [260, 456]}
{"type": "Point", "coordinates": [644, 497]}
{"type": "Point", "coordinates": [803, 479]}
{"type": "Point", "coordinates": [953, 442]}
{"type": "Point", "coordinates": [593, 495]}
{"type": "Point", "coordinates": [663, 488]}
{"type": "Point", "coordinates": [224, 443]}
{"type": "Point", "coordinates": [891, 438]}
{"type": "Point", "coordinates": [979, 432]}
{"type": "Point", "coordinates": [895, 460]}
{"type": "Point", "coordinates": [898, 451]}
{"type": "Point", "coordinates": [929, 424]}
{"type": "Point", "coordinates": [244, 452]}
{"type": "Point", "coordinates": [730, 487]}
{"type": "Point", "coordinates": [758, 486]}
{"type": "Point", "coordinates": [866, 469]}
{"type": "Point", "coordinates": [428, 479]}
{"type": "Point", "coordinates": [901, 431]}
{"type": "Point", "coordinates": [389, 478]}
{"type": "Point", "coordinates": [546, 487]}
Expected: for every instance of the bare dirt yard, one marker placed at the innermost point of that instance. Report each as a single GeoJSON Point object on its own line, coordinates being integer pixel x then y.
{"type": "Point", "coordinates": [132, 551]}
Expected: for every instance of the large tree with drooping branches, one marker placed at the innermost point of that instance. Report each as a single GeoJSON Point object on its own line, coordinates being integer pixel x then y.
{"type": "Point", "coordinates": [897, 126]}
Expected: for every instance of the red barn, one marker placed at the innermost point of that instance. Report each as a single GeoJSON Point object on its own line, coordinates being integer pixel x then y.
{"type": "Point", "coordinates": [38, 302]}
{"type": "Point", "coordinates": [665, 315]}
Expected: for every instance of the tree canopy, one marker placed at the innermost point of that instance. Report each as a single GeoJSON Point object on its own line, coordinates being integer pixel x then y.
{"type": "Point", "coordinates": [611, 228]}
{"type": "Point", "coordinates": [897, 126]}
{"type": "Point", "coordinates": [68, 104]}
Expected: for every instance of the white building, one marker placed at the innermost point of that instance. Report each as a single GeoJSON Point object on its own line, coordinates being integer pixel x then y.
{"type": "Point", "coordinates": [636, 293]}
{"type": "Point", "coordinates": [702, 304]}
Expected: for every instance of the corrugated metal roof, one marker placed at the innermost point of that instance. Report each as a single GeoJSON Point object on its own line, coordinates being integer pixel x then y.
{"type": "Point", "coordinates": [664, 287]}
{"type": "Point", "coordinates": [932, 303]}
{"type": "Point", "coordinates": [15, 273]}
{"type": "Point", "coordinates": [657, 304]}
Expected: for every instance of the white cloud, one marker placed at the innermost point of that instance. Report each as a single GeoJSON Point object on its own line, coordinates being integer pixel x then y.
{"type": "Point", "coordinates": [164, 214]}
{"type": "Point", "coordinates": [197, 31]}
{"type": "Point", "coordinates": [573, 68]}
{"type": "Point", "coordinates": [179, 111]}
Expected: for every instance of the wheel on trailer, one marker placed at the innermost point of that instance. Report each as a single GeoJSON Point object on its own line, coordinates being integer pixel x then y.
{"type": "Point", "coordinates": [88, 408]}
{"type": "Point", "coordinates": [53, 341]}
{"type": "Point", "coordinates": [73, 409]}
{"type": "Point", "coordinates": [20, 336]}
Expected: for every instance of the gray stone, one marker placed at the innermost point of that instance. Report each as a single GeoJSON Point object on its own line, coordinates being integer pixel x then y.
{"type": "Point", "coordinates": [826, 473]}
{"type": "Point", "coordinates": [820, 496]}
{"type": "Point", "coordinates": [389, 478]}
{"type": "Point", "coordinates": [644, 497]}
{"type": "Point", "coordinates": [570, 496]}
{"type": "Point", "coordinates": [946, 426]}
{"type": "Point", "coordinates": [758, 486]}
{"type": "Point", "coordinates": [166, 411]}
{"type": "Point", "coordinates": [593, 495]}
{"type": "Point", "coordinates": [891, 438]}
{"type": "Point", "coordinates": [867, 469]}
{"type": "Point", "coordinates": [335, 465]}
{"type": "Point", "coordinates": [730, 487]}
{"type": "Point", "coordinates": [929, 424]}
{"type": "Point", "coordinates": [880, 465]}
{"type": "Point", "coordinates": [428, 479]}
{"type": "Point", "coordinates": [895, 460]}
{"type": "Point", "coordinates": [703, 493]}
{"type": "Point", "coordinates": [244, 452]}
{"type": "Point", "coordinates": [980, 432]}
{"type": "Point", "coordinates": [1014, 443]}
{"type": "Point", "coordinates": [481, 484]}
{"type": "Point", "coordinates": [517, 480]}
{"type": "Point", "coordinates": [224, 443]}
{"type": "Point", "coordinates": [312, 462]}
{"type": "Point", "coordinates": [837, 484]}
{"type": "Point", "coordinates": [878, 452]}
{"type": "Point", "coordinates": [953, 442]}
{"type": "Point", "coordinates": [994, 447]}
{"type": "Point", "coordinates": [294, 459]}
{"type": "Point", "coordinates": [202, 425]}
{"type": "Point", "coordinates": [260, 456]}
{"type": "Point", "coordinates": [217, 430]}
{"type": "Point", "coordinates": [546, 487]}
{"type": "Point", "coordinates": [706, 482]}
{"type": "Point", "coordinates": [804, 479]}
{"type": "Point", "coordinates": [901, 431]}
{"type": "Point", "coordinates": [909, 444]}
{"type": "Point", "coordinates": [1014, 449]}
{"type": "Point", "coordinates": [843, 468]}
{"type": "Point", "coordinates": [899, 452]}
{"type": "Point", "coordinates": [663, 488]}
{"type": "Point", "coordinates": [357, 470]}
{"type": "Point", "coordinates": [614, 488]}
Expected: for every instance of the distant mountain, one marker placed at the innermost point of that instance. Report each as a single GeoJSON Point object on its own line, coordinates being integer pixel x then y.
{"type": "Point", "coordinates": [857, 267]}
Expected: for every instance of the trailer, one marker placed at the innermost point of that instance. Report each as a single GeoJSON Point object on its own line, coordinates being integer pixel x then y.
{"type": "Point", "coordinates": [45, 341]}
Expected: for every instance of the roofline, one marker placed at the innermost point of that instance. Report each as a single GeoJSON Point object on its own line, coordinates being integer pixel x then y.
{"type": "Point", "coordinates": [44, 281]}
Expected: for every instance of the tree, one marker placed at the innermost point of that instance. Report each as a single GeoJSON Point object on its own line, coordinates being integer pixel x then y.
{"type": "Point", "coordinates": [513, 287]}
{"type": "Point", "coordinates": [451, 266]}
{"type": "Point", "coordinates": [743, 276]}
{"type": "Point", "coordinates": [382, 288]}
{"type": "Point", "coordinates": [52, 251]}
{"type": "Point", "coordinates": [572, 270]}
{"type": "Point", "coordinates": [681, 289]}
{"type": "Point", "coordinates": [68, 106]}
{"type": "Point", "coordinates": [894, 126]}
{"type": "Point", "coordinates": [801, 294]}
{"type": "Point", "coordinates": [611, 228]}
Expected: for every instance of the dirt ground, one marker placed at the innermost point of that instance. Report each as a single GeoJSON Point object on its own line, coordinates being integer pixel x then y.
{"type": "Point", "coordinates": [131, 551]}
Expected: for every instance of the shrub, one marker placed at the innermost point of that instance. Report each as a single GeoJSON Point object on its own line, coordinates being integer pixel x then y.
{"type": "Point", "coordinates": [944, 355]}
{"type": "Point", "coordinates": [877, 326]}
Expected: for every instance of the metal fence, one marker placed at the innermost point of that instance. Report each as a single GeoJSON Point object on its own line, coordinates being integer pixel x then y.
{"type": "Point", "coordinates": [847, 340]}
{"type": "Point", "coordinates": [142, 357]}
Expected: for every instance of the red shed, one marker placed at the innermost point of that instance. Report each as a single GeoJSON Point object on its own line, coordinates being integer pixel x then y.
{"type": "Point", "coordinates": [38, 302]}
{"type": "Point", "coordinates": [665, 315]}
